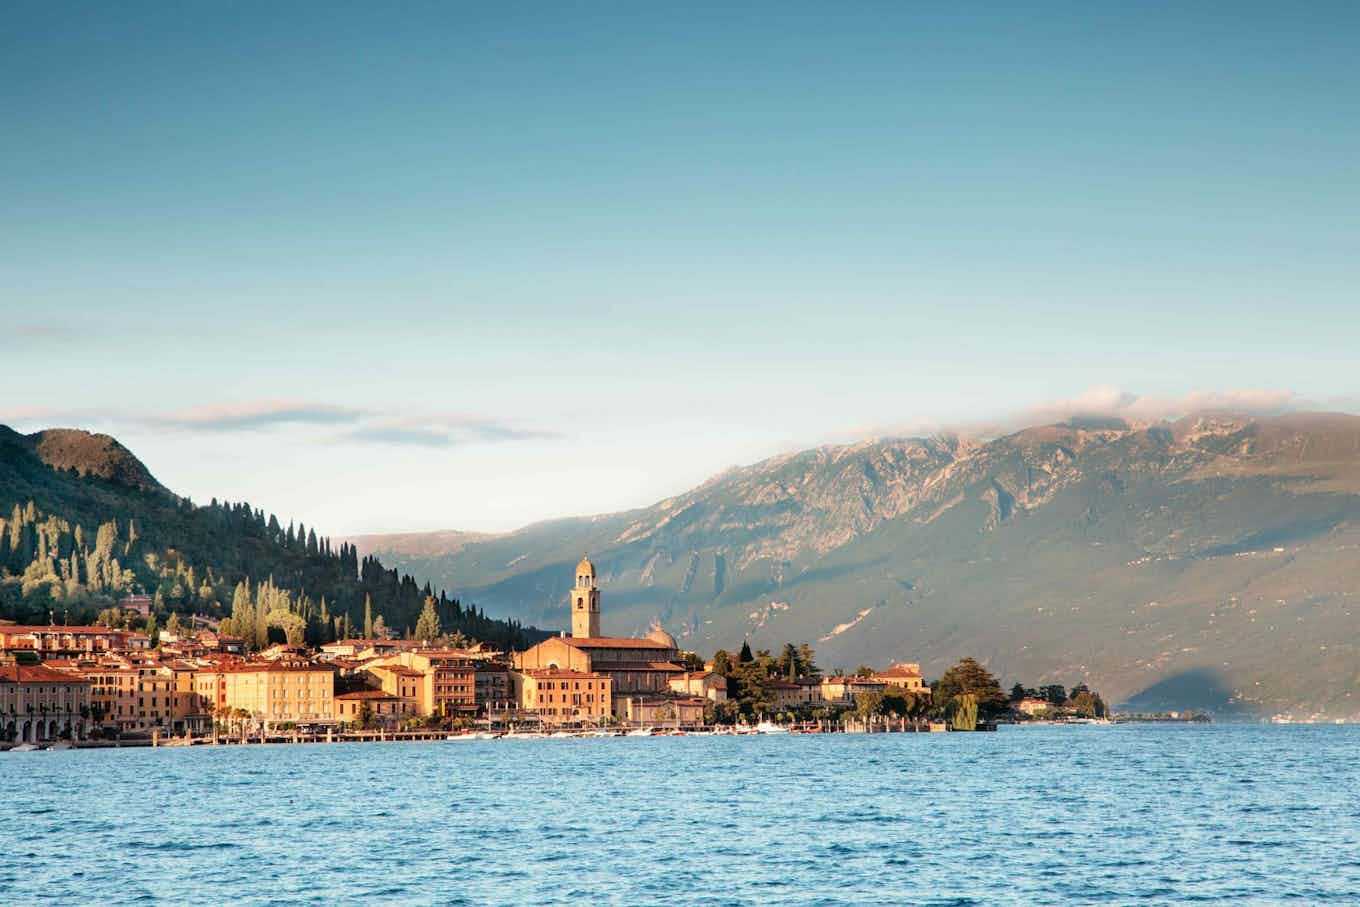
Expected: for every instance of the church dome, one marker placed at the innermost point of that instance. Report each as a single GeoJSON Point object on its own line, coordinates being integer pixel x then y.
{"type": "Point", "coordinates": [659, 635]}
{"type": "Point", "coordinates": [585, 567]}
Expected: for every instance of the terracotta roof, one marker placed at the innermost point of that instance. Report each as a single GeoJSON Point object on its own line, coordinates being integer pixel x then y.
{"type": "Point", "coordinates": [612, 642]}
{"type": "Point", "coordinates": [368, 694]}
{"type": "Point", "coordinates": [18, 673]}
{"type": "Point", "coordinates": [900, 671]}
{"type": "Point", "coordinates": [561, 672]}
{"type": "Point", "coordinates": [249, 667]}
{"type": "Point", "coordinates": [783, 685]}
{"type": "Point", "coordinates": [398, 669]}
{"type": "Point", "coordinates": [59, 628]}
{"type": "Point", "coordinates": [665, 666]}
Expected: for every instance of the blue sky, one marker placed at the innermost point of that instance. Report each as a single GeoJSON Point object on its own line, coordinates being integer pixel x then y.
{"type": "Point", "coordinates": [448, 266]}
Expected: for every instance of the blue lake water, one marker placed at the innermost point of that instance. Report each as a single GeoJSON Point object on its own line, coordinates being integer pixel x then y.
{"type": "Point", "coordinates": [1052, 815]}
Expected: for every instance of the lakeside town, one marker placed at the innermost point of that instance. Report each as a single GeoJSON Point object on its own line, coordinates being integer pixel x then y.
{"type": "Point", "coordinates": [66, 686]}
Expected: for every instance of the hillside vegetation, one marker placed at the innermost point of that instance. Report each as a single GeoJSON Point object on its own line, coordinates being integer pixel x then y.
{"type": "Point", "coordinates": [83, 524]}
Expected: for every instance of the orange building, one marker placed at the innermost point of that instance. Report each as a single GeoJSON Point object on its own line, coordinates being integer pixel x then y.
{"type": "Point", "coordinates": [559, 696]}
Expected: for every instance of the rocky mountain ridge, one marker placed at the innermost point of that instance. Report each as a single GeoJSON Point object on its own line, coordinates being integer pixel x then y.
{"type": "Point", "coordinates": [1124, 554]}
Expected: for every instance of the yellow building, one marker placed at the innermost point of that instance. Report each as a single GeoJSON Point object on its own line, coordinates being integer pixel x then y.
{"type": "Point", "coordinates": [273, 692]}
{"type": "Point", "coordinates": [379, 706]}
{"type": "Point", "coordinates": [706, 684]}
{"type": "Point", "coordinates": [445, 679]}
{"type": "Point", "coordinates": [843, 689]}
{"type": "Point", "coordinates": [560, 695]}
{"type": "Point", "coordinates": [903, 676]}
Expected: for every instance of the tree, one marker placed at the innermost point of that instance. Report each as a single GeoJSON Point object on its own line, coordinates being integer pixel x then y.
{"type": "Point", "coordinates": [427, 625]}
{"type": "Point", "coordinates": [869, 703]}
{"type": "Point", "coordinates": [368, 616]}
{"type": "Point", "coordinates": [722, 662]}
{"type": "Point", "coordinates": [1088, 704]}
{"type": "Point", "coordinates": [970, 678]}
{"type": "Point", "coordinates": [1017, 693]}
{"type": "Point", "coordinates": [1055, 694]}
{"type": "Point", "coordinates": [745, 656]}
{"type": "Point", "coordinates": [152, 630]}
{"type": "Point", "coordinates": [807, 665]}
{"type": "Point", "coordinates": [965, 712]}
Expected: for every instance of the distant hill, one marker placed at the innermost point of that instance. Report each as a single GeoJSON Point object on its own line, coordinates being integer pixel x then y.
{"type": "Point", "coordinates": [419, 544]}
{"type": "Point", "coordinates": [83, 523]}
{"type": "Point", "coordinates": [1210, 562]}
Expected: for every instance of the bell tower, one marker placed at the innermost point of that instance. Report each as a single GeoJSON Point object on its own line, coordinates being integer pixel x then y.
{"type": "Point", "coordinates": [585, 602]}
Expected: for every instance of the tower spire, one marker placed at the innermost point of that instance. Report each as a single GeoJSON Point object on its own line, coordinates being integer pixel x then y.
{"type": "Point", "coordinates": [585, 602]}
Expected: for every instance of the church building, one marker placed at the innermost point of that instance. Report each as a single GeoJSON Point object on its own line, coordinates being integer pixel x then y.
{"type": "Point", "coordinates": [637, 668]}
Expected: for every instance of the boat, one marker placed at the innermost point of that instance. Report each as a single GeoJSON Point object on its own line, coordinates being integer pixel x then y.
{"type": "Point", "coordinates": [769, 727]}
{"type": "Point", "coordinates": [640, 732]}
{"type": "Point", "coordinates": [24, 748]}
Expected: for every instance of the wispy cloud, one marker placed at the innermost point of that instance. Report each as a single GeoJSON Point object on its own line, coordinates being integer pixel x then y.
{"type": "Point", "coordinates": [1105, 401]}
{"type": "Point", "coordinates": [1108, 401]}
{"type": "Point", "coordinates": [363, 426]}
{"type": "Point", "coordinates": [446, 430]}
{"type": "Point", "coordinates": [252, 416]}
{"type": "Point", "coordinates": [37, 333]}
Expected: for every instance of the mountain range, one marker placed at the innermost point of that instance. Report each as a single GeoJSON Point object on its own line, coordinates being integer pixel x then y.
{"type": "Point", "coordinates": [1211, 562]}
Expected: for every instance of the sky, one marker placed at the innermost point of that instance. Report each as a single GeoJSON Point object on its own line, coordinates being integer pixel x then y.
{"type": "Point", "coordinates": [427, 266]}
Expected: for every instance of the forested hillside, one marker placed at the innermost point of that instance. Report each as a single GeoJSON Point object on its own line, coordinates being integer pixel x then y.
{"type": "Point", "coordinates": [86, 525]}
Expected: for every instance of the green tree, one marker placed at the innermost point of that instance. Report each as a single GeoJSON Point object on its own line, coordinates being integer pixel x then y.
{"type": "Point", "coordinates": [745, 656]}
{"type": "Point", "coordinates": [965, 712]}
{"type": "Point", "coordinates": [152, 630]}
{"type": "Point", "coordinates": [1088, 704]}
{"type": "Point", "coordinates": [968, 677]}
{"type": "Point", "coordinates": [869, 703]}
{"type": "Point", "coordinates": [1017, 693]}
{"type": "Point", "coordinates": [807, 663]}
{"type": "Point", "coordinates": [722, 662]}
{"type": "Point", "coordinates": [172, 626]}
{"type": "Point", "coordinates": [368, 616]}
{"type": "Point", "coordinates": [427, 625]}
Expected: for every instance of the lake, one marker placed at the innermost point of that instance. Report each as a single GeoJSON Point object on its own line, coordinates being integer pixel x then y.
{"type": "Point", "coordinates": [1042, 815]}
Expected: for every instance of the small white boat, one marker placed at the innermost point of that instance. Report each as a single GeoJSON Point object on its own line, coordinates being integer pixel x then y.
{"type": "Point", "coordinates": [769, 727]}
{"type": "Point", "coordinates": [23, 748]}
{"type": "Point", "coordinates": [640, 732]}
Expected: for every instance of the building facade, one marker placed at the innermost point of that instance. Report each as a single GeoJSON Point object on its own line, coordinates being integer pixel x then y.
{"type": "Point", "coordinates": [561, 695]}
{"type": "Point", "coordinates": [40, 704]}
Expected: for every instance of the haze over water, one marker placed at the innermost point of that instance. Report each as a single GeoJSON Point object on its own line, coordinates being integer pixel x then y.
{"type": "Point", "coordinates": [1047, 815]}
